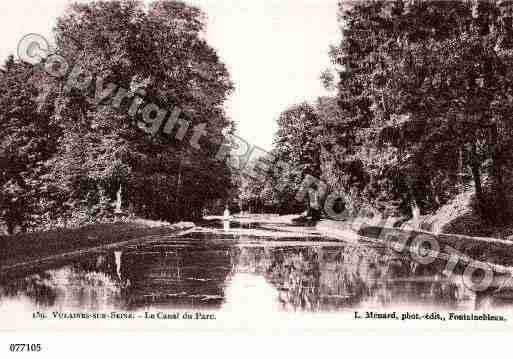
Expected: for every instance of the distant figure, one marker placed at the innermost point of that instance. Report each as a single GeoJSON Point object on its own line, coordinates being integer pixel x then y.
{"type": "Point", "coordinates": [117, 257]}
{"type": "Point", "coordinates": [226, 214]}
{"type": "Point", "coordinates": [226, 219]}
{"type": "Point", "coordinates": [118, 202]}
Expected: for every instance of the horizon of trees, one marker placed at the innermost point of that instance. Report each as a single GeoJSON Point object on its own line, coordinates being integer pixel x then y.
{"type": "Point", "coordinates": [424, 94]}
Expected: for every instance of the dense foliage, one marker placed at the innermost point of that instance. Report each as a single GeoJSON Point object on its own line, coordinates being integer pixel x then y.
{"type": "Point", "coordinates": [72, 158]}
{"type": "Point", "coordinates": [422, 110]}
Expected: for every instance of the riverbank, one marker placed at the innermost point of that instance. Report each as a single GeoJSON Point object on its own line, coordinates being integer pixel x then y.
{"type": "Point", "coordinates": [494, 251]}
{"type": "Point", "coordinates": [21, 252]}
{"type": "Point", "coordinates": [41, 247]}
{"type": "Point", "coordinates": [484, 249]}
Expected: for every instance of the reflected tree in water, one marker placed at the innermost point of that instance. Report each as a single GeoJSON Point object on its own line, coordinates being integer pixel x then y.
{"type": "Point", "coordinates": [314, 278]}
{"type": "Point", "coordinates": [80, 285]}
{"type": "Point", "coordinates": [305, 278]}
{"type": "Point", "coordinates": [36, 287]}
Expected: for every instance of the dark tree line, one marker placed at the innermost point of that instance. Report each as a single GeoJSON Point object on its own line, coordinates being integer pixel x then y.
{"type": "Point", "coordinates": [68, 158]}
{"type": "Point", "coordinates": [422, 111]}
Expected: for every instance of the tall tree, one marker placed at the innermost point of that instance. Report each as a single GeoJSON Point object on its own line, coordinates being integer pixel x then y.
{"type": "Point", "coordinates": [71, 148]}
{"type": "Point", "coordinates": [159, 53]}
{"type": "Point", "coordinates": [297, 145]}
{"type": "Point", "coordinates": [28, 138]}
{"type": "Point", "coordinates": [419, 97]}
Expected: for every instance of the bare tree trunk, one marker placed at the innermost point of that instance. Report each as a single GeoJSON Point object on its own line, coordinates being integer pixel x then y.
{"type": "Point", "coordinates": [308, 206]}
{"type": "Point", "coordinates": [414, 206]}
{"type": "Point", "coordinates": [460, 171]}
{"type": "Point", "coordinates": [119, 199]}
{"type": "Point", "coordinates": [500, 194]}
{"type": "Point", "coordinates": [415, 211]}
{"type": "Point", "coordinates": [178, 207]}
{"type": "Point", "coordinates": [10, 228]}
{"type": "Point", "coordinates": [476, 174]}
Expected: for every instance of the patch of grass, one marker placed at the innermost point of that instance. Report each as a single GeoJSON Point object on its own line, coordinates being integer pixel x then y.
{"type": "Point", "coordinates": [36, 245]}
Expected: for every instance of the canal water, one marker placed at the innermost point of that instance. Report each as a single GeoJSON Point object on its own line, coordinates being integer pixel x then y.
{"type": "Point", "coordinates": [242, 269]}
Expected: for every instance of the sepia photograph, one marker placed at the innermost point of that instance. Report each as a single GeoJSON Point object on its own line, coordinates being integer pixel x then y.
{"type": "Point", "coordinates": [277, 166]}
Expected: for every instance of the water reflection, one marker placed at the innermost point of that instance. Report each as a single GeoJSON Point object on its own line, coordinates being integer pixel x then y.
{"type": "Point", "coordinates": [80, 285]}
{"type": "Point", "coordinates": [117, 256]}
{"type": "Point", "coordinates": [315, 278]}
{"type": "Point", "coordinates": [193, 274]}
{"type": "Point", "coordinates": [179, 278]}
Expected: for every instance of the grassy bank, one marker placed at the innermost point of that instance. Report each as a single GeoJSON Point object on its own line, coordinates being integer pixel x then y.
{"type": "Point", "coordinates": [492, 250]}
{"type": "Point", "coordinates": [459, 216]}
{"type": "Point", "coordinates": [485, 249]}
{"type": "Point", "coordinates": [33, 246]}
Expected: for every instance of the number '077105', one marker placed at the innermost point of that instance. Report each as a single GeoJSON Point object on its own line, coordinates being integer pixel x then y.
{"type": "Point", "coordinates": [25, 347]}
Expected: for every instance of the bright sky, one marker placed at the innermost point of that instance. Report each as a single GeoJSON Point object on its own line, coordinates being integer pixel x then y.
{"type": "Point", "coordinates": [275, 51]}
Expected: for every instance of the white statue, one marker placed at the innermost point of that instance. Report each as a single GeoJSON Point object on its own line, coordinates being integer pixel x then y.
{"type": "Point", "coordinates": [226, 214]}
